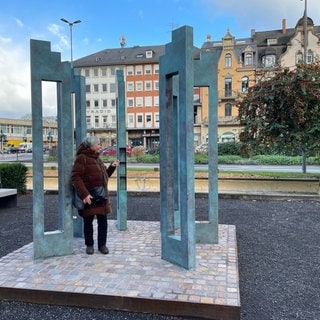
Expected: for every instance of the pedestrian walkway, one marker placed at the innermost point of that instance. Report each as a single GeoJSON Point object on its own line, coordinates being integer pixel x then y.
{"type": "Point", "coordinates": [133, 277]}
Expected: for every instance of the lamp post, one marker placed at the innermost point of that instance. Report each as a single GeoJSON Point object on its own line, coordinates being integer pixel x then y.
{"type": "Point", "coordinates": [305, 30]}
{"type": "Point", "coordinates": [2, 138]}
{"type": "Point", "coordinates": [70, 26]}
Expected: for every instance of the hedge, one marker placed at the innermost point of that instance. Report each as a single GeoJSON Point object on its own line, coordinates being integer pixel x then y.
{"type": "Point", "coordinates": [14, 176]}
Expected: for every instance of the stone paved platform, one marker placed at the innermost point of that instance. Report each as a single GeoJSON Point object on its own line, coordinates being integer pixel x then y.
{"type": "Point", "coordinates": [132, 277]}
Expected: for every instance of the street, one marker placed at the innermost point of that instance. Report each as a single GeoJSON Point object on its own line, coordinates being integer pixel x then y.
{"type": "Point", "coordinates": [27, 159]}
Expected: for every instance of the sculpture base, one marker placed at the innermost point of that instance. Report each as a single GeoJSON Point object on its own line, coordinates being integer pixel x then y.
{"type": "Point", "coordinates": [133, 277]}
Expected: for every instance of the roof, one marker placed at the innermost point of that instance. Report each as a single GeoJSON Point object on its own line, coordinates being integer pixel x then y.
{"type": "Point", "coordinates": [122, 56]}
{"type": "Point", "coordinates": [126, 56]}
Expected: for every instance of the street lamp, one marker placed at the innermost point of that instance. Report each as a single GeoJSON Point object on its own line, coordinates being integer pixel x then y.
{"type": "Point", "coordinates": [70, 25]}
{"type": "Point", "coordinates": [3, 138]}
{"type": "Point", "coordinates": [305, 30]}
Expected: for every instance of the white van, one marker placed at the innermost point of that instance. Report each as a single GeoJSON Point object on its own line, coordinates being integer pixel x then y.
{"type": "Point", "coordinates": [25, 147]}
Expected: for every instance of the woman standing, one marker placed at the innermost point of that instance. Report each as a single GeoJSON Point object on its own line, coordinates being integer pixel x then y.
{"type": "Point", "coordinates": [89, 172]}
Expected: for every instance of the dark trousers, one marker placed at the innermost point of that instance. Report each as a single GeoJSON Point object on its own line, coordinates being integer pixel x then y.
{"type": "Point", "coordinates": [102, 230]}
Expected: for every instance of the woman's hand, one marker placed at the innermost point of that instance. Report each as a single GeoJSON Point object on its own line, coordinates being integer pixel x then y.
{"type": "Point", "coordinates": [87, 199]}
{"type": "Point", "coordinates": [115, 163]}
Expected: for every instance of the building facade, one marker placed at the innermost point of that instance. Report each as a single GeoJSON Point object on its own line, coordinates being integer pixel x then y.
{"type": "Point", "coordinates": [241, 64]}
{"type": "Point", "coordinates": [244, 61]}
{"type": "Point", "coordinates": [140, 66]}
{"type": "Point", "coordinates": [14, 131]}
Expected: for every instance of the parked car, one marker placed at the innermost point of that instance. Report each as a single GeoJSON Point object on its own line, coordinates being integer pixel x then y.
{"type": "Point", "coordinates": [112, 150]}
{"type": "Point", "coordinates": [11, 150]}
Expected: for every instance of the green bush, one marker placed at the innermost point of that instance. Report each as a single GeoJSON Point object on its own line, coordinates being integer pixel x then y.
{"type": "Point", "coordinates": [277, 159]}
{"type": "Point", "coordinates": [148, 158]}
{"type": "Point", "coordinates": [14, 176]}
{"type": "Point", "coordinates": [232, 148]}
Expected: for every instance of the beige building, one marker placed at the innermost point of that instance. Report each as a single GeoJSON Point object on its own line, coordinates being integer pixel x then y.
{"type": "Point", "coordinates": [243, 60]}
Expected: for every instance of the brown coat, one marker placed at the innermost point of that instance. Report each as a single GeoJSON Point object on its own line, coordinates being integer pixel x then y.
{"type": "Point", "coordinates": [89, 172]}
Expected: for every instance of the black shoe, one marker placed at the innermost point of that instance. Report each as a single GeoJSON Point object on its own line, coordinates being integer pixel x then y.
{"type": "Point", "coordinates": [89, 250]}
{"type": "Point", "coordinates": [104, 250]}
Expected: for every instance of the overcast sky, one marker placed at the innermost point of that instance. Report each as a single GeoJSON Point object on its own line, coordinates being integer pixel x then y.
{"type": "Point", "coordinates": [141, 22]}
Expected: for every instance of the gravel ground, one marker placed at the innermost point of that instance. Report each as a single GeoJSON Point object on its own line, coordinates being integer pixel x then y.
{"type": "Point", "coordinates": [278, 245]}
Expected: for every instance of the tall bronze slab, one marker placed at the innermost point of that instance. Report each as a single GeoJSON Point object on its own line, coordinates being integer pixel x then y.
{"type": "Point", "coordinates": [179, 74]}
{"type": "Point", "coordinates": [177, 201]}
{"type": "Point", "coordinates": [122, 155]}
{"type": "Point", "coordinates": [47, 66]}
{"type": "Point", "coordinates": [206, 75]}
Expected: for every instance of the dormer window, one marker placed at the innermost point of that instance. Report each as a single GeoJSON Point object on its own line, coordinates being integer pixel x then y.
{"type": "Point", "coordinates": [149, 54]}
{"type": "Point", "coordinates": [248, 59]}
{"type": "Point", "coordinates": [269, 60]}
{"type": "Point", "coordinates": [271, 41]}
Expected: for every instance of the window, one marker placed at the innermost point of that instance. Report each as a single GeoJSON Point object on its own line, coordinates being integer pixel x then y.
{"type": "Point", "coordinates": [139, 86]}
{"type": "Point", "coordinates": [96, 121]}
{"type": "Point", "coordinates": [103, 72]}
{"type": "Point", "coordinates": [271, 41]}
{"type": "Point", "coordinates": [130, 86]}
{"type": "Point", "coordinates": [228, 60]}
{"type": "Point", "coordinates": [138, 70]}
{"type": "Point", "coordinates": [104, 87]}
{"type": "Point", "coordinates": [104, 103]}
{"type": "Point", "coordinates": [148, 85]}
{"type": "Point", "coordinates": [88, 121]}
{"type": "Point", "coordinates": [105, 121]}
{"type": "Point", "coordinates": [147, 69]}
{"type": "Point", "coordinates": [130, 120]}
{"type": "Point", "coordinates": [148, 121]}
{"type": "Point", "coordinates": [113, 103]}
{"type": "Point", "coordinates": [228, 110]}
{"type": "Point", "coordinates": [299, 57]}
{"type": "Point", "coordinates": [248, 59]}
{"type": "Point", "coordinates": [96, 88]}
{"type": "Point", "coordinates": [156, 101]}
{"type": "Point", "coordinates": [130, 71]}
{"type": "Point", "coordinates": [139, 101]}
{"type": "Point", "coordinates": [88, 103]}
{"type": "Point", "coordinates": [87, 88]}
{"type": "Point", "coordinates": [113, 71]}
{"type": "Point", "coordinates": [148, 101]}
{"type": "Point", "coordinates": [156, 85]}
{"type": "Point", "coordinates": [96, 72]}
{"type": "Point", "coordinates": [244, 84]}
{"type": "Point", "coordinates": [87, 72]}
{"type": "Point", "coordinates": [130, 102]}
{"type": "Point", "coordinates": [156, 69]}
{"type": "Point", "coordinates": [227, 87]}
{"type": "Point", "coordinates": [149, 54]}
{"type": "Point", "coordinates": [96, 103]}
{"type": "Point", "coordinates": [139, 121]}
{"type": "Point", "coordinates": [113, 87]}
{"type": "Point", "coordinates": [156, 119]}
{"type": "Point", "coordinates": [309, 57]}
{"type": "Point", "coordinates": [269, 60]}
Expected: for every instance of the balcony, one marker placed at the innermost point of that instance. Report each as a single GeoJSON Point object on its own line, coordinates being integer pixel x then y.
{"type": "Point", "coordinates": [227, 95]}
{"type": "Point", "coordinates": [228, 120]}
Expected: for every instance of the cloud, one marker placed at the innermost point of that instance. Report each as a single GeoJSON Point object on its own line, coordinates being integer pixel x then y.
{"type": "Point", "coordinates": [259, 15]}
{"type": "Point", "coordinates": [15, 90]}
{"type": "Point", "coordinates": [19, 22]}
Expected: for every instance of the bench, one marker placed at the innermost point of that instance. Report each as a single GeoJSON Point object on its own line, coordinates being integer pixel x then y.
{"type": "Point", "coordinates": [8, 198]}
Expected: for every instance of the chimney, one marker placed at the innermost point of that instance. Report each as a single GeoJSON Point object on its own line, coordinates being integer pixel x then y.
{"type": "Point", "coordinates": [284, 26]}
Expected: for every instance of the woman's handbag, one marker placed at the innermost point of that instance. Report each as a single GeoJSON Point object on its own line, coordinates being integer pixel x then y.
{"type": "Point", "coordinates": [99, 195]}
{"type": "Point", "coordinates": [76, 199]}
